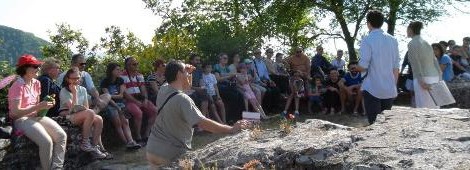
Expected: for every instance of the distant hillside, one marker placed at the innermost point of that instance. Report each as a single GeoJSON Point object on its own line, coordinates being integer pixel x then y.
{"type": "Point", "coordinates": [14, 43]}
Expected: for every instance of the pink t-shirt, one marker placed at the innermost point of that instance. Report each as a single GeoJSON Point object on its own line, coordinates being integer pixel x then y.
{"type": "Point", "coordinates": [27, 96]}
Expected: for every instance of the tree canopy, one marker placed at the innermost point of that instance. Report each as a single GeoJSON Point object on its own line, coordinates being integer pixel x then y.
{"type": "Point", "coordinates": [292, 23]}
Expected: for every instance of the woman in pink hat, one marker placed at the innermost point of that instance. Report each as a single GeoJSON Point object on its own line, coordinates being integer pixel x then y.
{"type": "Point", "coordinates": [24, 105]}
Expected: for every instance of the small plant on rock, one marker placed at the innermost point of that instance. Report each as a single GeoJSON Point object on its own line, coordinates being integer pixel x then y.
{"type": "Point", "coordinates": [286, 124]}
{"type": "Point", "coordinates": [185, 164]}
{"type": "Point", "coordinates": [252, 165]}
{"type": "Point", "coordinates": [256, 132]}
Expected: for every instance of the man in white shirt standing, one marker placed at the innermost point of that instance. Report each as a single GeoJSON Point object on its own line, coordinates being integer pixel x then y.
{"type": "Point", "coordinates": [380, 63]}
{"type": "Point", "coordinates": [339, 63]}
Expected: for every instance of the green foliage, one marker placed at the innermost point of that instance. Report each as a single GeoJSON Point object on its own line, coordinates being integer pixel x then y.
{"type": "Point", "coordinates": [293, 23]}
{"type": "Point", "coordinates": [353, 12]}
{"type": "Point", "coordinates": [118, 46]}
{"type": "Point", "coordinates": [236, 26]}
{"type": "Point", "coordinates": [5, 70]}
{"type": "Point", "coordinates": [216, 37]}
{"type": "Point", "coordinates": [65, 41]}
{"type": "Point", "coordinates": [14, 43]}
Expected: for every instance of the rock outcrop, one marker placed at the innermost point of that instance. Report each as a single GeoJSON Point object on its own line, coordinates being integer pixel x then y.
{"type": "Point", "coordinates": [461, 93]}
{"type": "Point", "coordinates": [22, 153]}
{"type": "Point", "coordinates": [402, 138]}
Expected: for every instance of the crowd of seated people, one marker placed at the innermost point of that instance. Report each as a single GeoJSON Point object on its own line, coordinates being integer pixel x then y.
{"type": "Point", "coordinates": [222, 89]}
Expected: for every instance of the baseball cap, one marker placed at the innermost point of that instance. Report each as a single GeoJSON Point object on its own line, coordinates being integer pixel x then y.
{"type": "Point", "coordinates": [28, 59]}
{"type": "Point", "coordinates": [247, 61]}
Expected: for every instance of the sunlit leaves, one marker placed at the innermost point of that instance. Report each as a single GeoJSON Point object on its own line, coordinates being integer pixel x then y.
{"type": "Point", "coordinates": [64, 41]}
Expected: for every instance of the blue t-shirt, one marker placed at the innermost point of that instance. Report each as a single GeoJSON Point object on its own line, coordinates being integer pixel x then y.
{"type": "Point", "coordinates": [114, 88]}
{"type": "Point", "coordinates": [352, 80]}
{"type": "Point", "coordinates": [448, 72]}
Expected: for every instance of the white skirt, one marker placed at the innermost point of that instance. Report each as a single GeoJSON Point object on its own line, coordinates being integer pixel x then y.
{"type": "Point", "coordinates": [422, 97]}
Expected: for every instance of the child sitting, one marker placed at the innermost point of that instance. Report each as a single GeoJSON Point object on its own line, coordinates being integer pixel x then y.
{"type": "Point", "coordinates": [209, 82]}
{"type": "Point", "coordinates": [316, 90]}
{"type": "Point", "coordinates": [297, 91]}
{"type": "Point", "coordinates": [244, 82]}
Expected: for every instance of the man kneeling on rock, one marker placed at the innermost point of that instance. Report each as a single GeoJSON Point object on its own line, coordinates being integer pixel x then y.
{"type": "Point", "coordinates": [171, 135]}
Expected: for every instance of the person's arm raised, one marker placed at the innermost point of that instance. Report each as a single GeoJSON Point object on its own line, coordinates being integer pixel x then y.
{"type": "Point", "coordinates": [214, 127]}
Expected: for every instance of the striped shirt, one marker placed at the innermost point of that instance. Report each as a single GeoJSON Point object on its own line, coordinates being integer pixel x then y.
{"type": "Point", "coordinates": [133, 83]}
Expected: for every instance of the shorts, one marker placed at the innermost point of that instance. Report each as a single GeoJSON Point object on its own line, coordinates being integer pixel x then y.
{"type": "Point", "coordinates": [315, 99]}
{"type": "Point", "coordinates": [112, 112]}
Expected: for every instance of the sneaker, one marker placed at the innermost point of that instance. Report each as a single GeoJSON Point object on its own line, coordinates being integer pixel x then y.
{"type": "Point", "coordinates": [296, 113]}
{"type": "Point", "coordinates": [97, 153]}
{"type": "Point", "coordinates": [85, 145]}
{"type": "Point", "coordinates": [102, 150]}
{"type": "Point", "coordinates": [133, 145]}
{"type": "Point", "coordinates": [283, 113]}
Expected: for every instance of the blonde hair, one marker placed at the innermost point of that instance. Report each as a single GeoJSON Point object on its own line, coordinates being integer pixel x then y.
{"type": "Point", "coordinates": [48, 64]}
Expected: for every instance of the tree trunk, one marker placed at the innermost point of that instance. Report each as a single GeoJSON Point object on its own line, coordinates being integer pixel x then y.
{"type": "Point", "coordinates": [347, 37]}
{"type": "Point", "coordinates": [351, 50]}
{"type": "Point", "coordinates": [392, 16]}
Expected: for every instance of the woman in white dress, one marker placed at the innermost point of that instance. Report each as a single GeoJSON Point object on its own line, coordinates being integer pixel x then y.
{"type": "Point", "coordinates": [425, 66]}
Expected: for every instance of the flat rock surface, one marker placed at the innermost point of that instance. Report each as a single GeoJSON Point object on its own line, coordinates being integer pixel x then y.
{"type": "Point", "coordinates": [402, 138]}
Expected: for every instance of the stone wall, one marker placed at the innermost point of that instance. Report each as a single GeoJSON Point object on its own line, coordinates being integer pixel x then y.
{"type": "Point", "coordinates": [402, 138]}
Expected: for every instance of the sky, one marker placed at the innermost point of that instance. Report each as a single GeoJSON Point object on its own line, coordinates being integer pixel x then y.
{"type": "Point", "coordinates": [91, 17]}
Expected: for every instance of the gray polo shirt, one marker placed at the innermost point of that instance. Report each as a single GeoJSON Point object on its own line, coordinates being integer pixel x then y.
{"type": "Point", "coordinates": [379, 55]}
{"type": "Point", "coordinates": [172, 133]}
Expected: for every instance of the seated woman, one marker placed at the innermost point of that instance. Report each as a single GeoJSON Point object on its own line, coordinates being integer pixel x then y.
{"type": "Point", "coordinates": [50, 72]}
{"type": "Point", "coordinates": [231, 96]}
{"type": "Point", "coordinates": [24, 105]}
{"type": "Point", "coordinates": [445, 62]}
{"type": "Point", "coordinates": [74, 106]}
{"type": "Point", "coordinates": [137, 101]}
{"type": "Point", "coordinates": [156, 80]}
{"type": "Point", "coordinates": [114, 85]}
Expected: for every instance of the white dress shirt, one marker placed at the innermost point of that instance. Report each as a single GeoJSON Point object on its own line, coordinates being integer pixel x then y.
{"type": "Point", "coordinates": [379, 56]}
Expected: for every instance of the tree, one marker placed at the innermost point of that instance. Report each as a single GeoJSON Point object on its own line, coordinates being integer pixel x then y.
{"type": "Point", "coordinates": [346, 12]}
{"type": "Point", "coordinates": [64, 41]}
{"type": "Point", "coordinates": [409, 10]}
{"type": "Point", "coordinates": [354, 12]}
{"type": "Point", "coordinates": [245, 23]}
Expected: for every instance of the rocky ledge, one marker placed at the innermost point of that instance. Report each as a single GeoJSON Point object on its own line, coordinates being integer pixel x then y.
{"type": "Point", "coordinates": [461, 92]}
{"type": "Point", "coordinates": [402, 138]}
